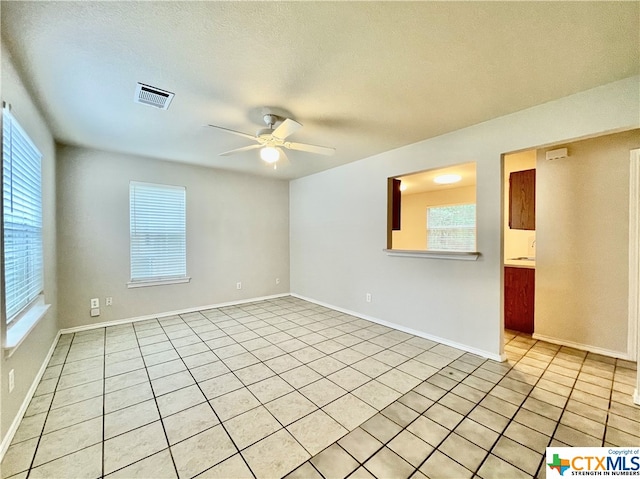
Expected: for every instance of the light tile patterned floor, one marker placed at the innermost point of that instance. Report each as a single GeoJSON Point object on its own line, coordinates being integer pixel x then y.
{"type": "Point", "coordinates": [267, 388]}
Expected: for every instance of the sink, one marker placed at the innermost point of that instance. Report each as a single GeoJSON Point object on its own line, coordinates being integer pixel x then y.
{"type": "Point", "coordinates": [523, 258]}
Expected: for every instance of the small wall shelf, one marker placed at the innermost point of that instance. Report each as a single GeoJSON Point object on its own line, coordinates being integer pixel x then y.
{"type": "Point", "coordinates": [455, 255]}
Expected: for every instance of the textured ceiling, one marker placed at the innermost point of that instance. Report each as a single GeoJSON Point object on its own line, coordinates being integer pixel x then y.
{"type": "Point", "coordinates": [363, 77]}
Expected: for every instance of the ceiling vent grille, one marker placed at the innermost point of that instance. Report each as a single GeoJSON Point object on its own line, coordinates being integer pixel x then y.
{"type": "Point", "coordinates": [152, 96]}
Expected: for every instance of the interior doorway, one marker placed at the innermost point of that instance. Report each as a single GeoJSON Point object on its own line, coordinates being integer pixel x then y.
{"type": "Point", "coordinates": [584, 249]}
{"type": "Point", "coordinates": [519, 243]}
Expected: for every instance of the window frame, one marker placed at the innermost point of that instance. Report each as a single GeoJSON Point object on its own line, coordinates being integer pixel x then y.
{"type": "Point", "coordinates": [28, 159]}
{"type": "Point", "coordinates": [159, 279]}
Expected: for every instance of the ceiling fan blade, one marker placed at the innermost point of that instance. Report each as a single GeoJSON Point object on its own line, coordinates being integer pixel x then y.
{"type": "Point", "coordinates": [284, 159]}
{"type": "Point", "coordinates": [287, 127]}
{"type": "Point", "coordinates": [239, 133]}
{"type": "Point", "coordinates": [321, 150]}
{"type": "Point", "coordinates": [240, 150]}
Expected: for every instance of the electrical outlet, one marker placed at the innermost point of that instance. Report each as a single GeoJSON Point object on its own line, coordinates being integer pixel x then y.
{"type": "Point", "coordinates": [368, 297]}
{"type": "Point", "coordinates": [95, 303]}
{"type": "Point", "coordinates": [12, 380]}
{"type": "Point", "coordinates": [108, 301]}
{"type": "Point", "coordinates": [277, 280]}
{"type": "Point", "coordinates": [239, 285]}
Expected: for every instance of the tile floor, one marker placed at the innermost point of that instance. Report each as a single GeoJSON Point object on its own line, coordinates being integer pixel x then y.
{"type": "Point", "coordinates": [289, 388]}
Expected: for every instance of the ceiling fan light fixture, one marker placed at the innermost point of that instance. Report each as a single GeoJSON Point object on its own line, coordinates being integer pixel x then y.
{"type": "Point", "coordinates": [269, 154]}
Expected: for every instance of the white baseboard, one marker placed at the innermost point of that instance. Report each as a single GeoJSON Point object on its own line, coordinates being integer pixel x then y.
{"type": "Point", "coordinates": [6, 440]}
{"type": "Point", "coordinates": [421, 334]}
{"type": "Point", "coordinates": [134, 319]}
{"type": "Point", "coordinates": [581, 347]}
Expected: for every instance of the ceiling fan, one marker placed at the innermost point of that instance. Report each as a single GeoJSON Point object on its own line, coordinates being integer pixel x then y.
{"type": "Point", "coordinates": [270, 141]}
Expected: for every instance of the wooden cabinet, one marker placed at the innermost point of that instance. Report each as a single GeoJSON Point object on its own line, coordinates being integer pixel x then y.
{"type": "Point", "coordinates": [522, 200]}
{"type": "Point", "coordinates": [519, 298]}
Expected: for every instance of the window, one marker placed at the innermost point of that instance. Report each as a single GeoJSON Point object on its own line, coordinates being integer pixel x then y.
{"type": "Point", "coordinates": [22, 218]}
{"type": "Point", "coordinates": [432, 213]}
{"type": "Point", "coordinates": [158, 234]}
{"type": "Point", "coordinates": [451, 228]}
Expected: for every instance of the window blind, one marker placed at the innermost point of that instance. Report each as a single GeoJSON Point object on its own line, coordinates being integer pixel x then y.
{"type": "Point", "coordinates": [451, 228]}
{"type": "Point", "coordinates": [22, 217]}
{"type": "Point", "coordinates": [158, 232]}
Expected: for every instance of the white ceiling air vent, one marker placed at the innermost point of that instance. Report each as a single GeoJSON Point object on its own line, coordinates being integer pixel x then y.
{"type": "Point", "coordinates": [152, 96]}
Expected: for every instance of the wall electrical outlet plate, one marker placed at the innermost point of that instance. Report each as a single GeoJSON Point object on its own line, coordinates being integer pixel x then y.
{"type": "Point", "coordinates": [95, 303]}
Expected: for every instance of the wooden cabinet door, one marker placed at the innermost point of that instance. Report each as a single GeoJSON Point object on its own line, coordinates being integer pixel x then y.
{"type": "Point", "coordinates": [519, 298]}
{"type": "Point", "coordinates": [522, 200]}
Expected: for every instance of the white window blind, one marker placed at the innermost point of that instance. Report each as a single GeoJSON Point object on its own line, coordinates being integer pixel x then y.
{"type": "Point", "coordinates": [22, 217]}
{"type": "Point", "coordinates": [158, 232]}
{"type": "Point", "coordinates": [451, 228]}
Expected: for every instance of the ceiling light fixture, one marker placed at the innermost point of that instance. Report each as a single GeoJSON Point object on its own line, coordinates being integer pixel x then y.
{"type": "Point", "coordinates": [269, 154]}
{"type": "Point", "coordinates": [447, 179]}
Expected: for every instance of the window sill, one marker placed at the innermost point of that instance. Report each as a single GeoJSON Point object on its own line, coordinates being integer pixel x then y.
{"type": "Point", "coordinates": [19, 331]}
{"type": "Point", "coordinates": [455, 255]}
{"type": "Point", "coordinates": [157, 282]}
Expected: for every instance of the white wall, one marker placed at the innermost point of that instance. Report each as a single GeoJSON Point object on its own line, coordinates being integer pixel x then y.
{"type": "Point", "coordinates": [28, 358]}
{"type": "Point", "coordinates": [582, 222]}
{"type": "Point", "coordinates": [338, 221]}
{"type": "Point", "coordinates": [237, 230]}
{"type": "Point", "coordinates": [413, 232]}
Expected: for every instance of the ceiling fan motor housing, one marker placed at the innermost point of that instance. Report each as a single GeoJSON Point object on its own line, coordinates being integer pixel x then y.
{"type": "Point", "coordinates": [271, 119]}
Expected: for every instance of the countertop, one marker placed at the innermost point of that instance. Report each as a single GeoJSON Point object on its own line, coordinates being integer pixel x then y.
{"type": "Point", "coordinates": [520, 263]}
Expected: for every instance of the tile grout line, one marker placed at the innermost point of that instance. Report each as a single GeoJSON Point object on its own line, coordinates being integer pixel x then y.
{"type": "Point", "coordinates": [296, 389]}
{"type": "Point", "coordinates": [610, 400]}
{"type": "Point", "coordinates": [564, 408]}
{"type": "Point", "coordinates": [500, 434]}
{"type": "Point", "coordinates": [322, 376]}
{"type": "Point", "coordinates": [552, 435]}
{"type": "Point", "coordinates": [244, 385]}
{"type": "Point", "coordinates": [568, 397]}
{"type": "Point", "coordinates": [35, 451]}
{"type": "Point", "coordinates": [450, 431]}
{"type": "Point", "coordinates": [412, 389]}
{"type": "Point", "coordinates": [465, 416]}
{"type": "Point", "coordinates": [403, 428]}
{"type": "Point", "coordinates": [159, 415]}
{"type": "Point", "coordinates": [542, 459]}
{"type": "Point", "coordinates": [328, 322]}
{"type": "Point", "coordinates": [208, 403]}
